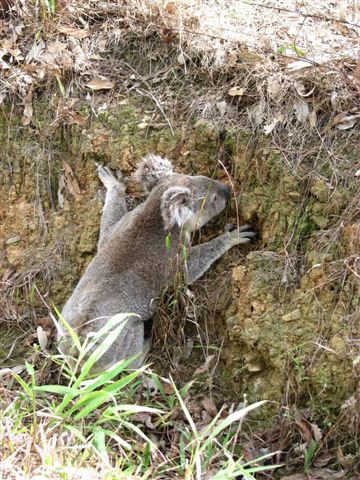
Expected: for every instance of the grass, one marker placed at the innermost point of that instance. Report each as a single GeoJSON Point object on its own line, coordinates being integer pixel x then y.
{"type": "Point", "coordinates": [97, 425]}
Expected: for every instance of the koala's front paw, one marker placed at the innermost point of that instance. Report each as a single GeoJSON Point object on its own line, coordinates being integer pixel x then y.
{"type": "Point", "coordinates": [108, 178]}
{"type": "Point", "coordinates": [243, 234]}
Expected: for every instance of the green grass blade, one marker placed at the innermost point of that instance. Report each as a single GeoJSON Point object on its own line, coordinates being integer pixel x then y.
{"type": "Point", "coordinates": [233, 417]}
{"type": "Point", "coordinates": [70, 330]}
{"type": "Point", "coordinates": [88, 403]}
{"type": "Point", "coordinates": [104, 378]}
{"type": "Point", "coordinates": [59, 389]}
{"type": "Point", "coordinates": [185, 410]}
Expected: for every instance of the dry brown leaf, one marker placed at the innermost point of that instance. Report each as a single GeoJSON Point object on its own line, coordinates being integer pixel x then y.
{"type": "Point", "coordinates": [100, 84]}
{"type": "Point", "coordinates": [28, 110]}
{"type": "Point", "coordinates": [45, 322]}
{"type": "Point", "coordinates": [344, 462]}
{"type": "Point", "coordinates": [73, 32]}
{"type": "Point", "coordinates": [209, 406]}
{"type": "Point", "coordinates": [76, 119]}
{"type": "Point", "coordinates": [204, 368]}
{"type": "Point", "coordinates": [167, 35]}
{"type": "Point", "coordinates": [303, 426]}
{"type": "Point", "coordinates": [236, 91]}
{"type": "Point", "coordinates": [70, 180]}
{"type": "Point", "coordinates": [170, 7]}
{"type": "Point", "coordinates": [144, 418]}
{"type": "Point", "coordinates": [167, 386]}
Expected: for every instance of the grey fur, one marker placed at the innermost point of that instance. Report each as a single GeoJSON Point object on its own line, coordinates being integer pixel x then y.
{"type": "Point", "coordinates": [140, 251]}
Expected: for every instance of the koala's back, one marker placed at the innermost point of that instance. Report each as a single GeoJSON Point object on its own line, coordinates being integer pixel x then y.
{"type": "Point", "coordinates": [128, 272]}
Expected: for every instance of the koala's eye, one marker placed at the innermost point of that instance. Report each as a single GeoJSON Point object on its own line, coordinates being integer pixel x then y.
{"type": "Point", "coordinates": [215, 197]}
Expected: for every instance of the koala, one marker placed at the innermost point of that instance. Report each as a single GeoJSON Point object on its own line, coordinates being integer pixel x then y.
{"type": "Point", "coordinates": [141, 251]}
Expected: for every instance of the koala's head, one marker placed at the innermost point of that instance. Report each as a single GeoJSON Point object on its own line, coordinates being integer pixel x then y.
{"type": "Point", "coordinates": [150, 170]}
{"type": "Point", "coordinates": [190, 202]}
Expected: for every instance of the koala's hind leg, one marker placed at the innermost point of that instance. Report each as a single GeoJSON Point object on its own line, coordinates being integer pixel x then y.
{"type": "Point", "coordinates": [201, 257]}
{"type": "Point", "coordinates": [115, 203]}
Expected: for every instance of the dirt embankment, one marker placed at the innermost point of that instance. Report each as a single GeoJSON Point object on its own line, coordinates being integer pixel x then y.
{"type": "Point", "coordinates": [284, 134]}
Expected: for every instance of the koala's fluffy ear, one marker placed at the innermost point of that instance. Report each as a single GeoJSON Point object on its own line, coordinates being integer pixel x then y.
{"type": "Point", "coordinates": [175, 206]}
{"type": "Point", "coordinates": [150, 170]}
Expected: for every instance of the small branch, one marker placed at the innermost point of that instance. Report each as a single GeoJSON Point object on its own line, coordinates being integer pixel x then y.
{"type": "Point", "coordinates": [154, 99]}
{"type": "Point", "coordinates": [305, 15]}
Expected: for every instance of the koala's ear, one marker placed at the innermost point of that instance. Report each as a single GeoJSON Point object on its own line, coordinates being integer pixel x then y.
{"type": "Point", "coordinates": [175, 206]}
{"type": "Point", "coordinates": [150, 170]}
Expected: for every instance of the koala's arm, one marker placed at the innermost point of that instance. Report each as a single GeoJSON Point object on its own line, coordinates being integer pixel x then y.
{"type": "Point", "coordinates": [115, 203]}
{"type": "Point", "coordinates": [201, 257]}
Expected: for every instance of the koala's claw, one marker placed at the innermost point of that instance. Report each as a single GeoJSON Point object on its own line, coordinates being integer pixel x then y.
{"type": "Point", "coordinates": [243, 234]}
{"type": "Point", "coordinates": [107, 177]}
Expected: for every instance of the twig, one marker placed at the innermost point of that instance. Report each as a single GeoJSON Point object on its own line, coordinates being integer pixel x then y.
{"type": "Point", "coordinates": [150, 95]}
{"type": "Point", "coordinates": [305, 15]}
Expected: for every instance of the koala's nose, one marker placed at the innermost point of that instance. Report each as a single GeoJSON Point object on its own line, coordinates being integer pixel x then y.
{"type": "Point", "coordinates": [227, 192]}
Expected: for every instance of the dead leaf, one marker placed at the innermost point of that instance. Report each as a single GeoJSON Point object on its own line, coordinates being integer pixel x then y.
{"type": "Point", "coordinates": [278, 118]}
{"type": "Point", "coordinates": [351, 401]}
{"type": "Point", "coordinates": [100, 84]}
{"type": "Point", "coordinates": [346, 463]}
{"type": "Point", "coordinates": [42, 337]}
{"type": "Point", "coordinates": [167, 386]}
{"type": "Point", "coordinates": [170, 7]}
{"type": "Point", "coordinates": [59, 192]}
{"type": "Point", "coordinates": [150, 386]}
{"type": "Point", "coordinates": [323, 460]}
{"type": "Point", "coordinates": [75, 119]}
{"type": "Point", "coordinates": [236, 91]}
{"type": "Point", "coordinates": [300, 88]}
{"type": "Point", "coordinates": [144, 418]}
{"type": "Point", "coordinates": [209, 406]}
{"type": "Point", "coordinates": [313, 118]}
{"type": "Point", "coordinates": [188, 348]}
{"type": "Point", "coordinates": [28, 110]}
{"type": "Point", "coordinates": [70, 180]}
{"type": "Point", "coordinates": [45, 322]}
{"type": "Point", "coordinates": [167, 35]}
{"type": "Point", "coordinates": [73, 32]}
{"type": "Point", "coordinates": [295, 476]}
{"type": "Point", "coordinates": [301, 110]}
{"type": "Point", "coordinates": [316, 432]}
{"type": "Point", "coordinates": [300, 65]}
{"type": "Point", "coordinates": [221, 107]}
{"type": "Point", "coordinates": [181, 59]}
{"type": "Point", "coordinates": [347, 122]}
{"type": "Point", "coordinates": [316, 474]}
{"type": "Point", "coordinates": [303, 426]}
{"type": "Point", "coordinates": [274, 87]}
{"type": "Point", "coordinates": [204, 368]}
